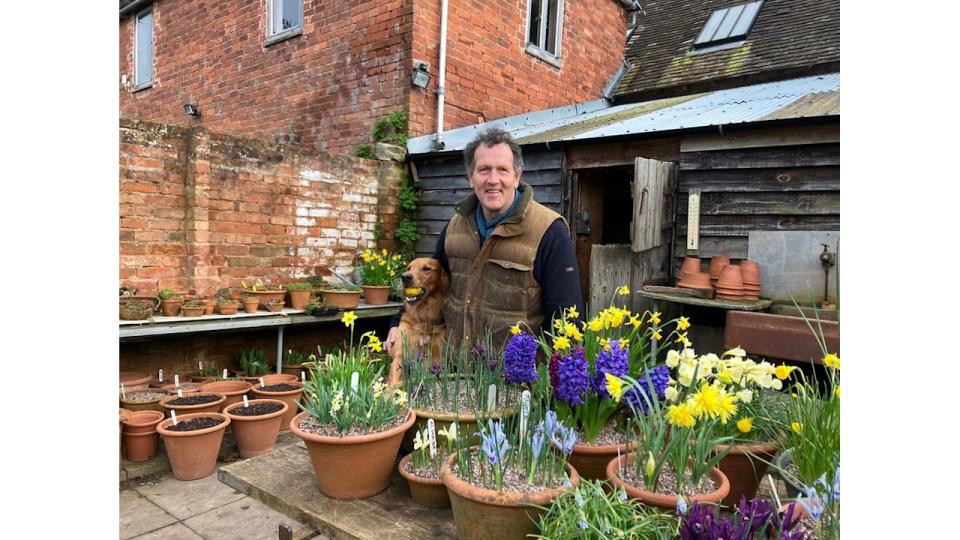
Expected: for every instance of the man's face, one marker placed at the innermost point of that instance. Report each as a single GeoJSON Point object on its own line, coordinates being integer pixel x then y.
{"type": "Point", "coordinates": [493, 179]}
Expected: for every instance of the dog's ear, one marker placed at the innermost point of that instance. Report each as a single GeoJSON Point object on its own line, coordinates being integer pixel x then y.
{"type": "Point", "coordinates": [444, 280]}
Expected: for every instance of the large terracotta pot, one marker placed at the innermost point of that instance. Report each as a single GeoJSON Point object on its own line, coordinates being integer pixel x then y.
{"type": "Point", "coordinates": [290, 397]}
{"type": "Point", "coordinates": [374, 295]}
{"type": "Point", "coordinates": [142, 422]}
{"type": "Point", "coordinates": [744, 468]}
{"type": "Point", "coordinates": [659, 500]}
{"type": "Point", "coordinates": [193, 454]}
{"type": "Point", "coordinates": [263, 296]}
{"type": "Point", "coordinates": [591, 461]}
{"type": "Point", "coordinates": [233, 390]}
{"type": "Point", "coordinates": [134, 380]}
{"type": "Point", "coordinates": [466, 423]}
{"type": "Point", "coordinates": [299, 298]}
{"type": "Point", "coordinates": [480, 513]}
{"type": "Point", "coordinates": [187, 388]}
{"type": "Point", "coordinates": [429, 492]}
{"type": "Point", "coordinates": [255, 435]}
{"type": "Point", "coordinates": [130, 401]}
{"type": "Point", "coordinates": [353, 467]}
{"type": "Point", "coordinates": [343, 299]}
{"type": "Point", "coordinates": [295, 369]}
{"type": "Point", "coordinates": [212, 407]}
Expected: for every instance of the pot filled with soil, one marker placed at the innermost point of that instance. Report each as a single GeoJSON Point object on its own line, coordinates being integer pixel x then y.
{"type": "Point", "coordinates": [134, 380]}
{"type": "Point", "coordinates": [143, 400]}
{"type": "Point", "coordinates": [426, 487]}
{"type": "Point", "coordinates": [140, 435]}
{"type": "Point", "coordinates": [185, 388]}
{"type": "Point", "coordinates": [299, 294]}
{"type": "Point", "coordinates": [744, 467]}
{"type": "Point", "coordinates": [193, 444]}
{"type": "Point", "coordinates": [233, 390]}
{"type": "Point", "coordinates": [250, 304]}
{"type": "Point", "coordinates": [376, 295]}
{"type": "Point", "coordinates": [288, 392]}
{"type": "Point", "coordinates": [712, 489]}
{"type": "Point", "coordinates": [341, 298]}
{"type": "Point", "coordinates": [256, 425]}
{"type": "Point", "coordinates": [193, 403]}
{"type": "Point", "coordinates": [590, 459]}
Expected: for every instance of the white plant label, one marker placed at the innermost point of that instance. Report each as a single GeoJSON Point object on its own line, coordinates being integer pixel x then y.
{"type": "Point", "coordinates": [179, 392]}
{"type": "Point", "coordinates": [619, 463]}
{"type": "Point", "coordinates": [173, 414]}
{"type": "Point", "coordinates": [200, 366]}
{"type": "Point", "coordinates": [224, 373]}
{"type": "Point", "coordinates": [354, 380]}
{"type": "Point", "coordinates": [161, 375]}
{"type": "Point", "coordinates": [303, 377]}
{"type": "Point", "coordinates": [524, 413]}
{"type": "Point", "coordinates": [246, 402]}
{"type": "Point", "coordinates": [432, 433]}
{"type": "Point", "coordinates": [492, 398]}
{"type": "Point", "coordinates": [261, 382]}
{"type": "Point", "coordinates": [176, 380]}
{"type": "Point", "coordinates": [122, 392]}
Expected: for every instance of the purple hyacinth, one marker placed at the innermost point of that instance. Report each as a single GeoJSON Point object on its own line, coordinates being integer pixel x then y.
{"type": "Point", "coordinates": [519, 359]}
{"type": "Point", "coordinates": [572, 378]}
{"type": "Point", "coordinates": [616, 362]}
{"type": "Point", "coordinates": [659, 376]}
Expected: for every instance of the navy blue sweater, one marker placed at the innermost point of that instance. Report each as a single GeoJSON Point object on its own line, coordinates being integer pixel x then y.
{"type": "Point", "coordinates": [555, 269]}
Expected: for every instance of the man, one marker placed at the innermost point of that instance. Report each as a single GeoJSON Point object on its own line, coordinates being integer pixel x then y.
{"type": "Point", "coordinates": [509, 257]}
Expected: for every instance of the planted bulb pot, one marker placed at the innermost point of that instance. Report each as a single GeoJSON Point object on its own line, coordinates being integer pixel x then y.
{"type": "Point", "coordinates": [376, 295]}
{"type": "Point", "coordinates": [171, 306]}
{"type": "Point", "coordinates": [290, 397]}
{"type": "Point", "coordinates": [744, 468]}
{"type": "Point", "coordinates": [299, 298]}
{"type": "Point", "coordinates": [342, 299]}
{"type": "Point", "coordinates": [233, 390]}
{"type": "Point", "coordinates": [661, 500]}
{"type": "Point", "coordinates": [429, 492]}
{"type": "Point", "coordinates": [255, 433]}
{"type": "Point", "coordinates": [185, 387]}
{"type": "Point", "coordinates": [591, 461]}
{"type": "Point", "coordinates": [251, 306]}
{"type": "Point", "coordinates": [193, 454]}
{"type": "Point", "coordinates": [201, 402]}
{"type": "Point", "coordinates": [134, 380]}
{"type": "Point", "coordinates": [466, 423]}
{"type": "Point", "coordinates": [480, 513]}
{"type": "Point", "coordinates": [143, 400]}
{"type": "Point", "coordinates": [355, 466]}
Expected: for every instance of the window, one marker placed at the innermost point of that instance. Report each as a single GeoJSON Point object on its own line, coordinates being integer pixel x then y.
{"type": "Point", "coordinates": [143, 50]}
{"type": "Point", "coordinates": [545, 25]}
{"type": "Point", "coordinates": [728, 24]}
{"type": "Point", "coordinates": [285, 16]}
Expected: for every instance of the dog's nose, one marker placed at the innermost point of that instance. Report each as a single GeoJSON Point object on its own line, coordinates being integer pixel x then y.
{"type": "Point", "coordinates": [406, 278]}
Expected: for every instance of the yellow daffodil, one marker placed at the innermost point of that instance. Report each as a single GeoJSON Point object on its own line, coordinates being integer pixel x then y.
{"type": "Point", "coordinates": [574, 333]}
{"type": "Point", "coordinates": [623, 290]}
{"type": "Point", "coordinates": [783, 371]}
{"type": "Point", "coordinates": [400, 398]}
{"type": "Point", "coordinates": [614, 386]}
{"type": "Point", "coordinates": [375, 346]}
{"type": "Point", "coordinates": [680, 415]}
{"type": "Point", "coordinates": [724, 376]}
{"type": "Point", "coordinates": [561, 344]}
{"type": "Point", "coordinates": [682, 338]}
{"type": "Point", "coordinates": [634, 321]}
{"type": "Point", "coordinates": [683, 323]}
{"type": "Point", "coordinates": [745, 425]}
{"type": "Point", "coordinates": [606, 345]}
{"type": "Point", "coordinates": [836, 391]}
{"type": "Point", "coordinates": [572, 312]}
{"type": "Point", "coordinates": [557, 324]}
{"type": "Point", "coordinates": [706, 401]}
{"type": "Point", "coordinates": [655, 335]}
{"type": "Point", "coordinates": [797, 427]}
{"type": "Point", "coordinates": [595, 324]}
{"type": "Point", "coordinates": [651, 465]}
{"type": "Point", "coordinates": [655, 318]}
{"type": "Point", "coordinates": [348, 319]}
{"type": "Point", "coordinates": [794, 395]}
{"type": "Point", "coordinates": [673, 359]}
{"type": "Point", "coordinates": [831, 361]}
{"type": "Point", "coordinates": [515, 329]}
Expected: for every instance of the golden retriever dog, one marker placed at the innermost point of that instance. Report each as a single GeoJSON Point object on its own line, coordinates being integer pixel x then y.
{"type": "Point", "coordinates": [425, 285]}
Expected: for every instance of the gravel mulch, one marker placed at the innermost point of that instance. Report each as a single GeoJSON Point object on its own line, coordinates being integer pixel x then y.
{"type": "Point", "coordinates": [144, 397]}
{"type": "Point", "coordinates": [311, 425]}
{"type": "Point", "coordinates": [513, 480]}
{"type": "Point", "coordinates": [666, 485]}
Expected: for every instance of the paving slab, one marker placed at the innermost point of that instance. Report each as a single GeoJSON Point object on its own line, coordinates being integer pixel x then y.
{"type": "Point", "coordinates": [247, 519]}
{"type": "Point", "coordinates": [177, 531]}
{"type": "Point", "coordinates": [185, 499]}
{"type": "Point", "coordinates": [138, 515]}
{"type": "Point", "coordinates": [284, 480]}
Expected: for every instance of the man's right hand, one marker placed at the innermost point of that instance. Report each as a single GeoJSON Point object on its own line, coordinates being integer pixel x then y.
{"type": "Point", "coordinates": [392, 339]}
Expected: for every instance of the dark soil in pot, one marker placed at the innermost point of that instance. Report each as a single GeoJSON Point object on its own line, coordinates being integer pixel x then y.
{"type": "Point", "coordinates": [195, 424]}
{"type": "Point", "coordinates": [282, 387]}
{"type": "Point", "coordinates": [194, 400]}
{"type": "Point", "coordinates": [257, 409]}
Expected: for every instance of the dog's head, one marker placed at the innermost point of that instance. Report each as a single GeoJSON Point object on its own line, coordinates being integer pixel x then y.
{"type": "Point", "coordinates": [424, 276]}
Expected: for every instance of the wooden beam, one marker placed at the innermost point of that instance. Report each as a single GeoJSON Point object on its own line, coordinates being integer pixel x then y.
{"type": "Point", "coordinates": [756, 138]}
{"type": "Point", "coordinates": [622, 153]}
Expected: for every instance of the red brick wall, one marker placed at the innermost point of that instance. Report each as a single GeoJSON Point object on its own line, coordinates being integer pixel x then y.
{"type": "Point", "coordinates": [204, 210]}
{"type": "Point", "coordinates": [490, 76]}
{"type": "Point", "coordinates": [326, 86]}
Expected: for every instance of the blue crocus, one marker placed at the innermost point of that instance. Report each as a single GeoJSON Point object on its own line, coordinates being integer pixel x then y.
{"type": "Point", "coordinates": [812, 503]}
{"type": "Point", "coordinates": [536, 442]}
{"type": "Point", "coordinates": [551, 423]}
{"type": "Point", "coordinates": [495, 443]}
{"type": "Point", "coordinates": [564, 438]}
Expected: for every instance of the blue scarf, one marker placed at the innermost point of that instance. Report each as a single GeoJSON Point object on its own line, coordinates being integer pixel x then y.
{"type": "Point", "coordinates": [486, 227]}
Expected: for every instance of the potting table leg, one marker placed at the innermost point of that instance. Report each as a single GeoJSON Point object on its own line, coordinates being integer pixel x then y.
{"type": "Point", "coordinates": [279, 349]}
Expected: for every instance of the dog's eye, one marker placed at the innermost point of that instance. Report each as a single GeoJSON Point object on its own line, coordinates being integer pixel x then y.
{"type": "Point", "coordinates": [427, 269]}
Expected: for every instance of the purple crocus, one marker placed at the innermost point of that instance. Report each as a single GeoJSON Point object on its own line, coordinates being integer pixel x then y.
{"type": "Point", "coordinates": [519, 359]}
{"type": "Point", "coordinates": [436, 369]}
{"type": "Point", "coordinates": [572, 378]}
{"type": "Point", "coordinates": [638, 396]}
{"type": "Point", "coordinates": [616, 362]}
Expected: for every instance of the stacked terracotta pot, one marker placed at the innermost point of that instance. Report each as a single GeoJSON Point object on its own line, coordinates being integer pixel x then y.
{"type": "Point", "coordinates": [717, 262]}
{"type": "Point", "coordinates": [750, 274]}
{"type": "Point", "coordinates": [730, 284]}
{"type": "Point", "coordinates": [691, 277]}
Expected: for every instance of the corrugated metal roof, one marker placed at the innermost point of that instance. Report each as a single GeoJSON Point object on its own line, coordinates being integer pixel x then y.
{"type": "Point", "coordinates": [796, 98]}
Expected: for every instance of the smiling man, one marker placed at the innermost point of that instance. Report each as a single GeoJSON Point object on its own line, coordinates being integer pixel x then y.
{"type": "Point", "coordinates": [510, 258]}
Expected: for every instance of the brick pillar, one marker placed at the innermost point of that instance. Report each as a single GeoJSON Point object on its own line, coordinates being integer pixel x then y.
{"type": "Point", "coordinates": [201, 275]}
{"type": "Point", "coordinates": [389, 180]}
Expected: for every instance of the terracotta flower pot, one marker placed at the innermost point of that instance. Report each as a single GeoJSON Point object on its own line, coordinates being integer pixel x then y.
{"type": "Point", "coordinates": [290, 397]}
{"type": "Point", "coordinates": [193, 454]}
{"type": "Point", "coordinates": [750, 271]}
{"type": "Point", "coordinates": [717, 262]}
{"type": "Point", "coordinates": [694, 280]}
{"type": "Point", "coordinates": [730, 277]}
{"type": "Point", "coordinates": [429, 492]}
{"type": "Point", "coordinates": [274, 307]}
{"type": "Point", "coordinates": [251, 306]}
{"type": "Point", "coordinates": [170, 306]}
{"type": "Point", "coordinates": [227, 309]}
{"type": "Point", "coordinates": [124, 414]}
{"type": "Point", "coordinates": [342, 299]}
{"type": "Point", "coordinates": [277, 378]}
{"type": "Point", "coordinates": [140, 446]}
{"type": "Point", "coordinates": [591, 461]}
{"type": "Point", "coordinates": [744, 468]}
{"type": "Point", "coordinates": [208, 305]}
{"type": "Point", "coordinates": [255, 435]}
{"type": "Point", "coordinates": [193, 311]}
{"type": "Point", "coordinates": [185, 387]}
{"type": "Point", "coordinates": [233, 390]}
{"type": "Point", "coordinates": [134, 380]}
{"type": "Point", "coordinates": [142, 422]}
{"type": "Point", "coordinates": [690, 264]}
{"type": "Point", "coordinates": [295, 369]}
{"type": "Point", "coordinates": [466, 423]}
{"type": "Point", "coordinates": [480, 513]}
{"type": "Point", "coordinates": [263, 296]}
{"type": "Point", "coordinates": [659, 500]}
{"type": "Point", "coordinates": [375, 295]}
{"type": "Point", "coordinates": [134, 400]}
{"type": "Point", "coordinates": [212, 407]}
{"type": "Point", "coordinates": [299, 298]}
{"type": "Point", "coordinates": [353, 467]}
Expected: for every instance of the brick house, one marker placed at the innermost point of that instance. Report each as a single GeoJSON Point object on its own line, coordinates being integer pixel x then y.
{"type": "Point", "coordinates": [320, 72]}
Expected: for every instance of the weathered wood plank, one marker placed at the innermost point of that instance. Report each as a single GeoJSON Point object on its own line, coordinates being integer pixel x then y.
{"type": "Point", "coordinates": [610, 267]}
{"type": "Point", "coordinates": [754, 138]}
{"type": "Point", "coordinates": [646, 266]}
{"type": "Point", "coordinates": [454, 167]}
{"type": "Point", "coordinates": [434, 211]}
{"type": "Point", "coordinates": [734, 246]}
{"type": "Point", "coordinates": [622, 153]}
{"type": "Point", "coordinates": [805, 203]}
{"type": "Point", "coordinates": [651, 178]}
{"type": "Point", "coordinates": [425, 244]}
{"type": "Point", "coordinates": [543, 195]}
{"type": "Point", "coordinates": [810, 155]}
{"type": "Point", "coordinates": [743, 225]}
{"type": "Point", "coordinates": [783, 179]}
{"type": "Point", "coordinates": [534, 178]}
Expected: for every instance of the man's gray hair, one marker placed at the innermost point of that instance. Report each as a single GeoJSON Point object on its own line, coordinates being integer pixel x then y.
{"type": "Point", "coordinates": [491, 137]}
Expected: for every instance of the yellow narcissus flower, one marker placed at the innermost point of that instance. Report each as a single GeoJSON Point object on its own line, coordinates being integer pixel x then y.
{"type": "Point", "coordinates": [783, 371]}
{"type": "Point", "coordinates": [614, 386]}
{"type": "Point", "coordinates": [650, 466]}
{"type": "Point", "coordinates": [655, 318]}
{"type": "Point", "coordinates": [515, 329]}
{"type": "Point", "coordinates": [348, 319]}
{"type": "Point", "coordinates": [574, 333]}
{"type": "Point", "coordinates": [606, 345]}
{"type": "Point", "coordinates": [450, 433]}
{"type": "Point", "coordinates": [623, 290]}
{"type": "Point", "coordinates": [745, 396]}
{"type": "Point", "coordinates": [557, 324]}
{"type": "Point", "coordinates": [572, 312]}
{"type": "Point", "coordinates": [705, 401]}
{"type": "Point", "coordinates": [671, 393]}
{"type": "Point", "coordinates": [797, 427]}
{"type": "Point", "coordinates": [683, 323]}
{"type": "Point", "coordinates": [831, 361]}
{"type": "Point", "coordinates": [595, 325]}
{"type": "Point", "coordinates": [634, 321]}
{"type": "Point", "coordinates": [836, 391]}
{"type": "Point", "coordinates": [680, 415]}
{"type": "Point", "coordinates": [682, 338]}
{"type": "Point", "coordinates": [561, 344]}
{"type": "Point", "coordinates": [400, 398]}
{"type": "Point", "coordinates": [375, 346]}
{"type": "Point", "coordinates": [673, 359]}
{"type": "Point", "coordinates": [745, 425]}
{"type": "Point", "coordinates": [724, 376]}
{"type": "Point", "coordinates": [655, 335]}
{"type": "Point", "coordinates": [419, 441]}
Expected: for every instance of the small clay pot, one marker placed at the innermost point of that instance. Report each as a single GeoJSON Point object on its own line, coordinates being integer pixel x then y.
{"type": "Point", "coordinates": [730, 278]}
{"type": "Point", "coordinates": [212, 407]}
{"type": "Point", "coordinates": [659, 500]}
{"type": "Point", "coordinates": [750, 271]}
{"type": "Point", "coordinates": [274, 307]}
{"type": "Point", "coordinates": [140, 446]}
{"type": "Point", "coordinates": [193, 454]}
{"type": "Point", "coordinates": [142, 421]}
{"type": "Point", "coordinates": [227, 309]}
{"type": "Point", "coordinates": [208, 305]}
{"type": "Point", "coordinates": [374, 295]}
{"type": "Point", "coordinates": [342, 299]}
{"type": "Point", "coordinates": [690, 264]}
{"type": "Point", "coordinates": [193, 311]}
{"type": "Point", "coordinates": [717, 262]}
{"type": "Point", "coordinates": [299, 298]}
{"type": "Point", "coordinates": [251, 306]}
{"type": "Point", "coordinates": [233, 390]}
{"type": "Point", "coordinates": [290, 397]}
{"type": "Point", "coordinates": [695, 280]}
{"type": "Point", "coordinates": [255, 435]}
{"type": "Point", "coordinates": [429, 492]}
{"type": "Point", "coordinates": [170, 306]}
{"type": "Point", "coordinates": [591, 461]}
{"type": "Point", "coordinates": [134, 380]}
{"type": "Point", "coordinates": [744, 468]}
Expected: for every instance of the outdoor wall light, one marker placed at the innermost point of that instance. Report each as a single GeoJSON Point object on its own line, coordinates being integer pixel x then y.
{"type": "Point", "coordinates": [421, 75]}
{"type": "Point", "coordinates": [191, 109]}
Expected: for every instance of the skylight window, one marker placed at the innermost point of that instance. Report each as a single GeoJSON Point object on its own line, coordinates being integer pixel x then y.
{"type": "Point", "coordinates": [728, 24]}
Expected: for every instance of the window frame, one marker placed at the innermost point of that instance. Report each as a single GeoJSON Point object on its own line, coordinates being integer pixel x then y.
{"type": "Point", "coordinates": [701, 43]}
{"type": "Point", "coordinates": [285, 34]}
{"type": "Point", "coordinates": [136, 49]}
{"type": "Point", "coordinates": [540, 51]}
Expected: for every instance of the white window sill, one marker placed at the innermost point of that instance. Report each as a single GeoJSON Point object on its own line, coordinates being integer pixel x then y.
{"type": "Point", "coordinates": [283, 36]}
{"type": "Point", "coordinates": [141, 87]}
{"type": "Point", "coordinates": [544, 55]}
